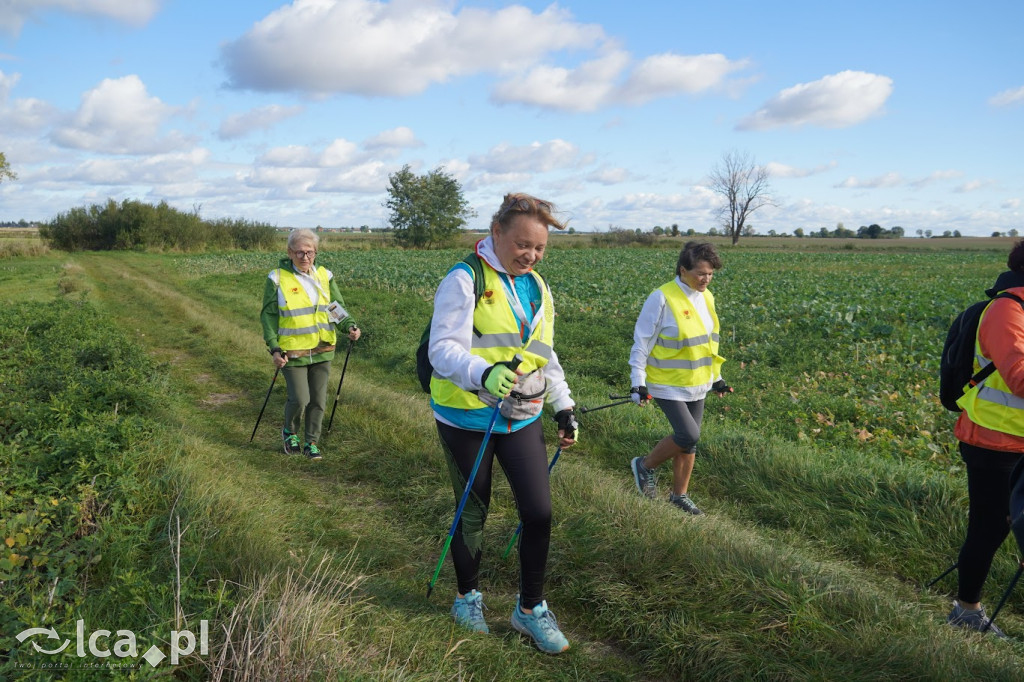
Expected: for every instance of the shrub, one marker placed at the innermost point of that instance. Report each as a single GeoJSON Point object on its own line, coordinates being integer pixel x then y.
{"type": "Point", "coordinates": [137, 225]}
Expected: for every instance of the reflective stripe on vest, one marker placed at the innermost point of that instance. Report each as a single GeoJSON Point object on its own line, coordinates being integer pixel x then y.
{"type": "Point", "coordinates": [991, 403]}
{"type": "Point", "coordinates": [691, 358]}
{"type": "Point", "coordinates": [496, 337]}
{"type": "Point", "coordinates": [301, 324]}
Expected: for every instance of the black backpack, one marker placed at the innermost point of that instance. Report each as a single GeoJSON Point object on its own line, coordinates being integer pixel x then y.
{"type": "Point", "coordinates": [424, 369]}
{"type": "Point", "coordinates": [956, 368]}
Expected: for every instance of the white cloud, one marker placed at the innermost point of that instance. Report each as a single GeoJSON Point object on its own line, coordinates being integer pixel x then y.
{"type": "Point", "coordinates": [397, 48]}
{"type": "Point", "coordinates": [937, 176]}
{"type": "Point", "coordinates": [118, 116]}
{"type": "Point", "coordinates": [158, 169]}
{"type": "Point", "coordinates": [837, 101]}
{"type": "Point", "coordinates": [293, 181]}
{"type": "Point", "coordinates": [22, 115]}
{"type": "Point", "coordinates": [508, 181]}
{"type": "Point", "coordinates": [1011, 203]}
{"type": "Point", "coordinates": [609, 176]}
{"type": "Point", "coordinates": [890, 179]}
{"type": "Point", "coordinates": [291, 156]}
{"type": "Point", "coordinates": [532, 158]}
{"type": "Point", "coordinates": [14, 13]}
{"type": "Point", "coordinates": [973, 185]}
{"type": "Point", "coordinates": [599, 83]}
{"type": "Point", "coordinates": [781, 170]}
{"type": "Point", "coordinates": [671, 74]}
{"type": "Point", "coordinates": [260, 118]}
{"type": "Point", "coordinates": [340, 152]}
{"type": "Point", "coordinates": [401, 137]}
{"type": "Point", "coordinates": [367, 178]}
{"type": "Point", "coordinates": [585, 88]}
{"type": "Point", "coordinates": [1008, 97]}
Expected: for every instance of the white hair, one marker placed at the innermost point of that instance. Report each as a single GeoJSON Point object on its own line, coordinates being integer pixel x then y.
{"type": "Point", "coordinates": [303, 234]}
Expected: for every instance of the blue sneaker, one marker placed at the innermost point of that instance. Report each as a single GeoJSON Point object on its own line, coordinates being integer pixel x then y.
{"type": "Point", "coordinates": [541, 626]}
{"type": "Point", "coordinates": [468, 612]}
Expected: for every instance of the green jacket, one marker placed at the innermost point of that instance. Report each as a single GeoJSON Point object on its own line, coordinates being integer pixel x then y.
{"type": "Point", "coordinates": [269, 314]}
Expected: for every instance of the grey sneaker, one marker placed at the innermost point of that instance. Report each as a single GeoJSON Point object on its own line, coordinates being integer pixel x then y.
{"type": "Point", "coordinates": [541, 627]}
{"type": "Point", "coordinates": [685, 503]}
{"type": "Point", "coordinates": [468, 611]}
{"type": "Point", "coordinates": [973, 620]}
{"type": "Point", "coordinates": [645, 479]}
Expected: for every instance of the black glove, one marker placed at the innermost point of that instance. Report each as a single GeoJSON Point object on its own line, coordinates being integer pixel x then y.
{"type": "Point", "coordinates": [639, 395]}
{"type": "Point", "coordinates": [567, 423]}
{"type": "Point", "coordinates": [721, 387]}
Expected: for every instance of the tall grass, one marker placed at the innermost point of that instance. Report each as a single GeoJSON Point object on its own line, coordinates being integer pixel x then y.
{"type": "Point", "coordinates": [807, 565]}
{"type": "Point", "coordinates": [22, 249]}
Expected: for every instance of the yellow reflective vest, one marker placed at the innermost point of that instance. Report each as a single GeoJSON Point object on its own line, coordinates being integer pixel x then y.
{"type": "Point", "coordinates": [991, 403]}
{"type": "Point", "coordinates": [497, 337]}
{"type": "Point", "coordinates": [303, 324]}
{"type": "Point", "coordinates": [691, 358]}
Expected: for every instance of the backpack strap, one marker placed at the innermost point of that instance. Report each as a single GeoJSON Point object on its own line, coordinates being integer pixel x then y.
{"type": "Point", "coordinates": [985, 371]}
{"type": "Point", "coordinates": [477, 268]}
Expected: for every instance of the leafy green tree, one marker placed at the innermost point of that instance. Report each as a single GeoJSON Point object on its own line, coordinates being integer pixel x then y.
{"type": "Point", "coordinates": [426, 210]}
{"type": "Point", "coordinates": [798, 232]}
{"type": "Point", "coordinates": [5, 169]}
{"type": "Point", "coordinates": [658, 230]}
{"type": "Point", "coordinates": [675, 229]}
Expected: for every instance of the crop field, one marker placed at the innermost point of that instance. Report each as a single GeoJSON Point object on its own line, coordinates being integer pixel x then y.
{"type": "Point", "coordinates": [835, 348]}
{"type": "Point", "coordinates": [138, 492]}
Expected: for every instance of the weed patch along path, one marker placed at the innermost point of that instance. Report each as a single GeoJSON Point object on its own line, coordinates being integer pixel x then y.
{"type": "Point", "coordinates": [755, 590]}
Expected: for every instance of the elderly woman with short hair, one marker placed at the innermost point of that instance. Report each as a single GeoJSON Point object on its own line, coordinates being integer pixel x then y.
{"type": "Point", "coordinates": [302, 306]}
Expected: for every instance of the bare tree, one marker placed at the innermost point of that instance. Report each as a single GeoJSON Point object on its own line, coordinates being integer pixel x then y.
{"type": "Point", "coordinates": [744, 186]}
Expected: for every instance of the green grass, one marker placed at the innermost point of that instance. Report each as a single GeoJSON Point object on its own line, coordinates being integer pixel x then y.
{"type": "Point", "coordinates": [807, 565]}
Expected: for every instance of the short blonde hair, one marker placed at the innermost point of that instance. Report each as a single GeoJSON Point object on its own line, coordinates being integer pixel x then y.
{"type": "Point", "coordinates": [518, 203]}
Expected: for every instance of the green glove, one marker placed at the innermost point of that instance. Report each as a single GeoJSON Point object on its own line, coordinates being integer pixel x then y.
{"type": "Point", "coordinates": [498, 379]}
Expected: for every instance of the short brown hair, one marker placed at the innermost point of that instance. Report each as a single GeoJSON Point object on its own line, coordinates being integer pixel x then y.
{"type": "Point", "coordinates": [518, 203]}
{"type": "Point", "coordinates": [695, 252]}
{"type": "Point", "coordinates": [1015, 261]}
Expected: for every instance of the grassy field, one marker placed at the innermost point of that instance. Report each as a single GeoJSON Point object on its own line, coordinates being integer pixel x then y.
{"type": "Point", "coordinates": [830, 480]}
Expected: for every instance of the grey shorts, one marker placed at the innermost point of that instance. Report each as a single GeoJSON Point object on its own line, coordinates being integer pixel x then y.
{"type": "Point", "coordinates": [685, 419]}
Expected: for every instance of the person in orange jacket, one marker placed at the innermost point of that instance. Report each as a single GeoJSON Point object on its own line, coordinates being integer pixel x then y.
{"type": "Point", "coordinates": [991, 434]}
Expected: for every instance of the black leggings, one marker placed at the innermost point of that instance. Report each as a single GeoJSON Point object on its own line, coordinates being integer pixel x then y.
{"type": "Point", "coordinates": [988, 489]}
{"type": "Point", "coordinates": [524, 460]}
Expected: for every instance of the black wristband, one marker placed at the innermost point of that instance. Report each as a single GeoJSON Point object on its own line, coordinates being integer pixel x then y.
{"type": "Point", "coordinates": [276, 350]}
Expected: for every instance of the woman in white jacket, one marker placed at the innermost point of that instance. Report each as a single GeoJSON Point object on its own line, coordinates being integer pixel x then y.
{"type": "Point", "coordinates": [675, 360]}
{"type": "Point", "coordinates": [472, 343]}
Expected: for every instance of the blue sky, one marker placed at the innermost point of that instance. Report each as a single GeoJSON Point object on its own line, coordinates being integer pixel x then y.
{"type": "Point", "coordinates": [896, 113]}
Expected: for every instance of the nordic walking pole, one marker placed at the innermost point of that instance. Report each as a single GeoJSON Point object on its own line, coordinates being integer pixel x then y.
{"type": "Point", "coordinates": [1013, 583]}
{"type": "Point", "coordinates": [584, 410]}
{"type": "Point", "coordinates": [519, 528]}
{"type": "Point", "coordinates": [338, 394]}
{"type": "Point", "coordinates": [265, 401]}
{"type": "Point", "coordinates": [628, 399]}
{"type": "Point", "coordinates": [948, 571]}
{"type": "Point", "coordinates": [469, 485]}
